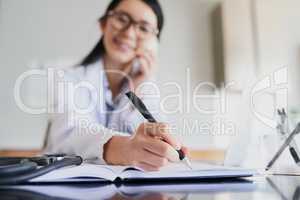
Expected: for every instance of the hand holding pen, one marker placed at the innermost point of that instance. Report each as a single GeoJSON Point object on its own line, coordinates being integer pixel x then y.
{"type": "Point", "coordinates": [151, 147]}
{"type": "Point", "coordinates": [143, 149]}
{"type": "Point", "coordinates": [165, 138]}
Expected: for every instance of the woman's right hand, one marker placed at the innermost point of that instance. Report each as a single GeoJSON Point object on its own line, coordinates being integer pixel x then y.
{"type": "Point", "coordinates": [150, 148]}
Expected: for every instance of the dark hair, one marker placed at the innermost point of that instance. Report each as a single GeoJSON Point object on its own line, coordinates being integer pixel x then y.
{"type": "Point", "coordinates": [99, 49]}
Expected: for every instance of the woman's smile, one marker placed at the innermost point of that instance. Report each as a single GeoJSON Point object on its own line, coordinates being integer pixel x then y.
{"type": "Point", "coordinates": [123, 45]}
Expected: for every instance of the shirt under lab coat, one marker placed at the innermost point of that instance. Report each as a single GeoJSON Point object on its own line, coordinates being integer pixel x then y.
{"type": "Point", "coordinates": [85, 116]}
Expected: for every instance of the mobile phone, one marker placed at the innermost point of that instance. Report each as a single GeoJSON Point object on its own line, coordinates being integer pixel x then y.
{"type": "Point", "coordinates": [136, 66]}
{"type": "Point", "coordinates": [150, 45]}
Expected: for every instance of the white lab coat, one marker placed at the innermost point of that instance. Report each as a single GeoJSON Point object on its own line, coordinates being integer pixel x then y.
{"type": "Point", "coordinates": [84, 132]}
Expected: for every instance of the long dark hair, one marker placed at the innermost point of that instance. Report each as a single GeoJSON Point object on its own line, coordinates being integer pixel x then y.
{"type": "Point", "coordinates": [99, 49]}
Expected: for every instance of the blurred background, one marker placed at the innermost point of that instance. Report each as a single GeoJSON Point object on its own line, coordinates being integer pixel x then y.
{"type": "Point", "coordinates": [236, 43]}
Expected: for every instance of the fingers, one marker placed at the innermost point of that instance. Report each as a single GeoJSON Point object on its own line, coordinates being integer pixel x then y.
{"type": "Point", "coordinates": [154, 159]}
{"type": "Point", "coordinates": [147, 167]}
{"type": "Point", "coordinates": [161, 149]}
{"type": "Point", "coordinates": [137, 76]}
{"type": "Point", "coordinates": [128, 67]}
{"type": "Point", "coordinates": [149, 56]}
{"type": "Point", "coordinates": [148, 61]}
{"type": "Point", "coordinates": [155, 146]}
{"type": "Point", "coordinates": [161, 130]}
{"type": "Point", "coordinates": [185, 150]}
{"type": "Point", "coordinates": [150, 161]}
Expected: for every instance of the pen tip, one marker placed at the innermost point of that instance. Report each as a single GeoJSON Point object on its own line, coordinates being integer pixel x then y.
{"type": "Point", "coordinates": [267, 168]}
{"type": "Point", "coordinates": [188, 163]}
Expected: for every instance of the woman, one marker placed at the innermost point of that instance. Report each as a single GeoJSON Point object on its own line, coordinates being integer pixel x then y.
{"type": "Point", "coordinates": [112, 131]}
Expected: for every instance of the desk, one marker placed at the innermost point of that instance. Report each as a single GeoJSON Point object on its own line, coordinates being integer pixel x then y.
{"type": "Point", "coordinates": [272, 187]}
{"type": "Point", "coordinates": [211, 155]}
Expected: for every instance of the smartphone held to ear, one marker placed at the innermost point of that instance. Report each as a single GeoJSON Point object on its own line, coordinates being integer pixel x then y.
{"type": "Point", "coordinates": [136, 66]}
{"type": "Point", "coordinates": [150, 46]}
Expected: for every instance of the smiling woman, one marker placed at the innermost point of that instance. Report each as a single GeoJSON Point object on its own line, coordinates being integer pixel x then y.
{"type": "Point", "coordinates": [121, 20]}
{"type": "Point", "coordinates": [114, 131]}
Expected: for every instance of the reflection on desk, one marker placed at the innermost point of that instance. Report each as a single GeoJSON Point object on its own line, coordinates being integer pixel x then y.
{"type": "Point", "coordinates": [271, 187]}
{"type": "Point", "coordinates": [286, 188]}
{"type": "Point", "coordinates": [175, 190]}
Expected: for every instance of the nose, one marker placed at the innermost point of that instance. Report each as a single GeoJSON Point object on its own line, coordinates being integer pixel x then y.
{"type": "Point", "coordinates": [130, 32]}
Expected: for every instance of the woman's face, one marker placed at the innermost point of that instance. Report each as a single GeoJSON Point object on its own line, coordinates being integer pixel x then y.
{"type": "Point", "coordinates": [121, 45]}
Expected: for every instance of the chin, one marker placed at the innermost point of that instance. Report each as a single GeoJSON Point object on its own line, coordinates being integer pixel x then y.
{"type": "Point", "coordinates": [122, 58]}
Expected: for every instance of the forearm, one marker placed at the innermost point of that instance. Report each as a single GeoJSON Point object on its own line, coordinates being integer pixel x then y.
{"type": "Point", "coordinates": [79, 140]}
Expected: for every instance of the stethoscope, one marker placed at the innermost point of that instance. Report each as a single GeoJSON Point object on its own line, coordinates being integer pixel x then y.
{"type": "Point", "coordinates": [18, 170]}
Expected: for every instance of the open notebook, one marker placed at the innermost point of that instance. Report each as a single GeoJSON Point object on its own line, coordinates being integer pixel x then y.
{"type": "Point", "coordinates": [108, 173]}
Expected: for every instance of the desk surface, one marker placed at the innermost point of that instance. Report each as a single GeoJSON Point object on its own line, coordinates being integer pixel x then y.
{"type": "Point", "coordinates": [272, 187]}
{"type": "Point", "coordinates": [212, 155]}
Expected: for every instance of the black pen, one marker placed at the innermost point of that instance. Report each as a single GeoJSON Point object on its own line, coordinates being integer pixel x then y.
{"type": "Point", "coordinates": [138, 104]}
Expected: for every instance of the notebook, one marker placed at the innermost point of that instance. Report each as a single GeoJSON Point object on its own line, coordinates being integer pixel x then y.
{"type": "Point", "coordinates": [108, 173]}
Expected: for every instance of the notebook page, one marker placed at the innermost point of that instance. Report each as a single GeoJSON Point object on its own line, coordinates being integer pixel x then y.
{"type": "Point", "coordinates": [180, 166]}
{"type": "Point", "coordinates": [179, 170]}
{"type": "Point", "coordinates": [86, 170]}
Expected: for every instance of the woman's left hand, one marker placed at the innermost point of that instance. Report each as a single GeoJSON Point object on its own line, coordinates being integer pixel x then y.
{"type": "Point", "coordinates": [146, 54]}
{"type": "Point", "coordinates": [147, 63]}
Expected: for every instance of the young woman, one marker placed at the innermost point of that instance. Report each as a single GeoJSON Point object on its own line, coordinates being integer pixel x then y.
{"type": "Point", "coordinates": [113, 131]}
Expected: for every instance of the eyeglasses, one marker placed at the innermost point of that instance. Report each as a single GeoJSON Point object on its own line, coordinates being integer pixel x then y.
{"type": "Point", "coordinates": [122, 21]}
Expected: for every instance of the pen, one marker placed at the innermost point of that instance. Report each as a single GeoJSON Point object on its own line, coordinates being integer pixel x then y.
{"type": "Point", "coordinates": [283, 146]}
{"type": "Point", "coordinates": [137, 102]}
{"type": "Point", "coordinates": [283, 129]}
